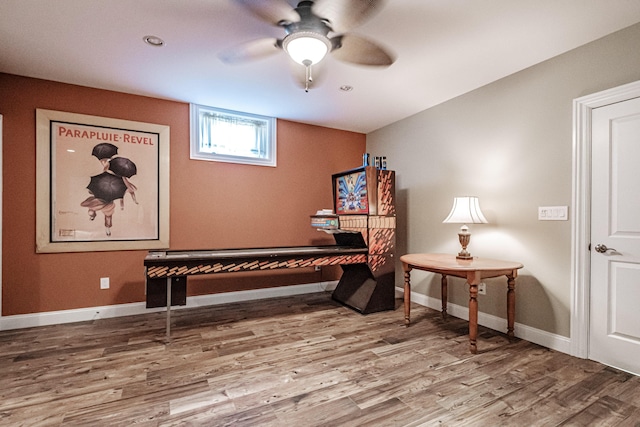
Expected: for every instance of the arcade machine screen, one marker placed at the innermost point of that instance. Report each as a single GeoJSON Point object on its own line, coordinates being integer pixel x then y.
{"type": "Point", "coordinates": [350, 193]}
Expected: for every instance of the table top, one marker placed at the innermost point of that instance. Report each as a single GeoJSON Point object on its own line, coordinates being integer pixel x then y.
{"type": "Point", "coordinates": [448, 262]}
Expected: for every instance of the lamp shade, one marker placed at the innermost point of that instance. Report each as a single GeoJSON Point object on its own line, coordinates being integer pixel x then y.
{"type": "Point", "coordinates": [465, 210]}
{"type": "Point", "coordinates": [306, 47]}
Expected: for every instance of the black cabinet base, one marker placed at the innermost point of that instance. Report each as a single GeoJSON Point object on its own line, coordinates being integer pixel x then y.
{"type": "Point", "coordinates": [363, 292]}
{"type": "Point", "coordinates": [157, 292]}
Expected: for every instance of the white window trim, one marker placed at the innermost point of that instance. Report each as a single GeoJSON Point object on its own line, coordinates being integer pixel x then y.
{"type": "Point", "coordinates": [197, 154]}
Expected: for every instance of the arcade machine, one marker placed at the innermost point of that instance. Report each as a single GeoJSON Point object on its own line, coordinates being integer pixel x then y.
{"type": "Point", "coordinates": [365, 213]}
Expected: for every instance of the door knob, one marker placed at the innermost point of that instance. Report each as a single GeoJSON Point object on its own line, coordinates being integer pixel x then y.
{"type": "Point", "coordinates": [603, 248]}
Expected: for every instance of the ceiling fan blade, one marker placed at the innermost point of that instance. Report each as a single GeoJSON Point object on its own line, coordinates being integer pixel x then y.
{"type": "Point", "coordinates": [343, 15]}
{"type": "Point", "coordinates": [249, 51]}
{"type": "Point", "coordinates": [275, 11]}
{"type": "Point", "coordinates": [359, 50]}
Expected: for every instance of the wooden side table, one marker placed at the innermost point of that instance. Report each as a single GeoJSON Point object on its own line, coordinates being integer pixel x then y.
{"type": "Point", "coordinates": [474, 270]}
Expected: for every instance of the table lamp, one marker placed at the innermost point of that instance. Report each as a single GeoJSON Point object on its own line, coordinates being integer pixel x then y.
{"type": "Point", "coordinates": [465, 210]}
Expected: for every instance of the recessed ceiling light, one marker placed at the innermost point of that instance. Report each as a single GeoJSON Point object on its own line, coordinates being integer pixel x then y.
{"type": "Point", "coordinates": [153, 41]}
{"type": "Point", "coordinates": [346, 88]}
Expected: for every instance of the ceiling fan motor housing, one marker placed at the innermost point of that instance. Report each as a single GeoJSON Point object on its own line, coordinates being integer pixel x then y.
{"type": "Point", "coordinates": [309, 21]}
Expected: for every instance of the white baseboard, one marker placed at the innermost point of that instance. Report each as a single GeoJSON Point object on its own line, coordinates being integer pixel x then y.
{"type": "Point", "coordinates": [537, 336]}
{"type": "Point", "coordinates": [93, 313]}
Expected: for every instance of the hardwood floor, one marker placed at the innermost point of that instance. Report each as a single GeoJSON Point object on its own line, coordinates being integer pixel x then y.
{"type": "Point", "coordinates": [299, 361]}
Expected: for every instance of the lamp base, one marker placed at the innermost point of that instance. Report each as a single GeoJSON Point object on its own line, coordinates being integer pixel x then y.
{"type": "Point", "coordinates": [464, 236]}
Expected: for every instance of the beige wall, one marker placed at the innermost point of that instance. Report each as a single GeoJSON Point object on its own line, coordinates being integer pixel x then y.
{"type": "Point", "coordinates": [510, 144]}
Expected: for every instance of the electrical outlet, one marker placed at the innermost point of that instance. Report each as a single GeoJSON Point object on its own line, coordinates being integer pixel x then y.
{"type": "Point", "coordinates": [482, 288]}
{"type": "Point", "coordinates": [104, 283]}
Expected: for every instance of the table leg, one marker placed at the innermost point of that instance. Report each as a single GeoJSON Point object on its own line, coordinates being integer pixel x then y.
{"type": "Point", "coordinates": [407, 293]}
{"type": "Point", "coordinates": [168, 309]}
{"type": "Point", "coordinates": [444, 292]}
{"type": "Point", "coordinates": [511, 304]}
{"type": "Point", "coordinates": [473, 278]}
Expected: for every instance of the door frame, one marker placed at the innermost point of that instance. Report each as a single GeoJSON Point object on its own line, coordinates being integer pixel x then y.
{"type": "Point", "coordinates": [581, 212]}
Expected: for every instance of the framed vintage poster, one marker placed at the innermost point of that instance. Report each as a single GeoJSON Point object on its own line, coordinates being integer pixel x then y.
{"type": "Point", "coordinates": [102, 184]}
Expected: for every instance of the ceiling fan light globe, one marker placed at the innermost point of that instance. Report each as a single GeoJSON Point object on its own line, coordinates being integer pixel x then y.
{"type": "Point", "coordinates": [306, 47]}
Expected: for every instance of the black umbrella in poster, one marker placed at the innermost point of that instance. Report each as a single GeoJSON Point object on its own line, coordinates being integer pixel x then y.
{"type": "Point", "coordinates": [104, 151]}
{"type": "Point", "coordinates": [107, 187]}
{"type": "Point", "coordinates": [122, 166]}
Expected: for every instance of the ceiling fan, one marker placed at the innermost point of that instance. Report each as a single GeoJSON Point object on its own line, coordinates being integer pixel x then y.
{"type": "Point", "coordinates": [307, 30]}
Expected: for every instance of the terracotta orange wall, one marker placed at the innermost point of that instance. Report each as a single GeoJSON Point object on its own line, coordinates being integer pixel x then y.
{"type": "Point", "coordinates": [213, 205]}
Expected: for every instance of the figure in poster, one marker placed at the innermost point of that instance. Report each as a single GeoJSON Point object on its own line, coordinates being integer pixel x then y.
{"type": "Point", "coordinates": [112, 184]}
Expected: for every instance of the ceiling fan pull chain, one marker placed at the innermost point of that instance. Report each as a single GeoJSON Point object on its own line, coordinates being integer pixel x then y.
{"type": "Point", "coordinates": [308, 78]}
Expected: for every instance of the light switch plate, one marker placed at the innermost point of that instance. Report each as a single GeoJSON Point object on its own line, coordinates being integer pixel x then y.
{"type": "Point", "coordinates": [553, 213]}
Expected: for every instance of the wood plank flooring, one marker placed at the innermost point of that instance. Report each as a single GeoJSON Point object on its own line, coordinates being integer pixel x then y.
{"type": "Point", "coordinates": [299, 361]}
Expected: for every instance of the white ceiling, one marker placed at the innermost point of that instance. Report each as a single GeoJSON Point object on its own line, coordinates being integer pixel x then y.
{"type": "Point", "coordinates": [444, 48]}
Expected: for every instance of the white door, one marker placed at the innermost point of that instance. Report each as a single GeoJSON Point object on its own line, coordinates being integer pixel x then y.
{"type": "Point", "coordinates": [614, 329]}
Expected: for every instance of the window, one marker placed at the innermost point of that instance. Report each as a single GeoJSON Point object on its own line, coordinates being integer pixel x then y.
{"type": "Point", "coordinates": [234, 137]}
